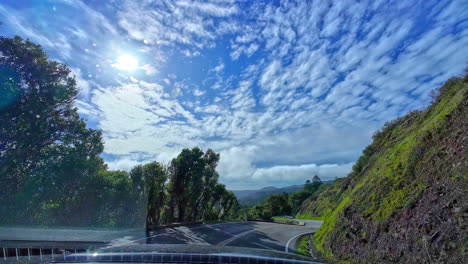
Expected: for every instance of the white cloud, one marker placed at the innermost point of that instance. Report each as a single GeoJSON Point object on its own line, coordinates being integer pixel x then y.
{"type": "Point", "coordinates": [169, 23]}
{"type": "Point", "coordinates": [218, 68]}
{"type": "Point", "coordinates": [210, 8]}
{"type": "Point", "coordinates": [198, 92]}
{"type": "Point", "coordinates": [301, 172]}
{"type": "Point", "coordinates": [282, 91]}
{"type": "Point", "coordinates": [134, 118]}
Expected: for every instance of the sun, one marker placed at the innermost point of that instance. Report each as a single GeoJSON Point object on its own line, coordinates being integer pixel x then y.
{"type": "Point", "coordinates": [126, 62]}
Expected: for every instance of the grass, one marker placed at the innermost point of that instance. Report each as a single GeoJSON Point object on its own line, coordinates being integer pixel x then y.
{"type": "Point", "coordinates": [302, 246]}
{"type": "Point", "coordinates": [283, 218]}
{"type": "Point", "coordinates": [384, 181]}
{"type": "Point", "coordinates": [308, 216]}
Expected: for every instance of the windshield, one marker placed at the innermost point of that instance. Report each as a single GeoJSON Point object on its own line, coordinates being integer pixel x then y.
{"type": "Point", "coordinates": [227, 123]}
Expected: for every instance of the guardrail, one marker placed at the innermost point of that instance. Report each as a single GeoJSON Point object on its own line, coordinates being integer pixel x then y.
{"type": "Point", "coordinates": [288, 222]}
{"type": "Point", "coordinates": [175, 225]}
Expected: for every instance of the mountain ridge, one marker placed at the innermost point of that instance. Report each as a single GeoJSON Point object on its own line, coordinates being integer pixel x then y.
{"type": "Point", "coordinates": [253, 197]}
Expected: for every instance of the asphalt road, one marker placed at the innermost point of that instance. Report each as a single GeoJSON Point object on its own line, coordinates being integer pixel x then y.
{"type": "Point", "coordinates": [262, 235]}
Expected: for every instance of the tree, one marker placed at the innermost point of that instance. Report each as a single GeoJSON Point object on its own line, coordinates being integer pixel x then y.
{"type": "Point", "coordinates": [139, 192]}
{"type": "Point", "coordinates": [194, 190]}
{"type": "Point", "coordinates": [308, 186]}
{"type": "Point", "coordinates": [155, 176]}
{"type": "Point", "coordinates": [316, 182]}
{"type": "Point", "coordinates": [278, 204]}
{"type": "Point", "coordinates": [210, 182]}
{"type": "Point", "coordinates": [195, 185]}
{"type": "Point", "coordinates": [259, 211]}
{"type": "Point", "coordinates": [314, 185]}
{"type": "Point", "coordinates": [51, 171]}
{"type": "Point", "coordinates": [296, 199]}
{"type": "Point", "coordinates": [45, 145]}
{"type": "Point", "coordinates": [185, 182]}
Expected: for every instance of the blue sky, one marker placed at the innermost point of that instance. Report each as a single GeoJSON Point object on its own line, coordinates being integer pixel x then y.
{"type": "Point", "coordinates": [282, 89]}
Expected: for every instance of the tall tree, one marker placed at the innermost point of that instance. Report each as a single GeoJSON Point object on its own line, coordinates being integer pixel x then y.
{"type": "Point", "coordinates": [296, 199]}
{"type": "Point", "coordinates": [316, 182]}
{"type": "Point", "coordinates": [43, 141]}
{"type": "Point", "coordinates": [278, 204]}
{"type": "Point", "coordinates": [195, 184]}
{"type": "Point", "coordinates": [210, 181]}
{"type": "Point", "coordinates": [308, 186]}
{"type": "Point", "coordinates": [155, 177]}
{"type": "Point", "coordinates": [179, 171]}
{"type": "Point", "coordinates": [139, 190]}
{"type": "Point", "coordinates": [194, 191]}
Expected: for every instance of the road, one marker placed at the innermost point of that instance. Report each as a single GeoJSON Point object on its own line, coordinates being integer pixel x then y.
{"type": "Point", "coordinates": [262, 235]}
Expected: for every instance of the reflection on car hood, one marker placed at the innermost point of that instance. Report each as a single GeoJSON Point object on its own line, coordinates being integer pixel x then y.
{"type": "Point", "coordinates": [157, 253]}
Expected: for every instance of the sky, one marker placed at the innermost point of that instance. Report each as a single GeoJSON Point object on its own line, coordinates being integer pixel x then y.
{"type": "Point", "coordinates": [283, 90]}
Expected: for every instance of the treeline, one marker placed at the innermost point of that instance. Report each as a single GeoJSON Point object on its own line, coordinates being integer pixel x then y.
{"type": "Point", "coordinates": [281, 204]}
{"type": "Point", "coordinates": [191, 194]}
{"type": "Point", "coordinates": [51, 172]}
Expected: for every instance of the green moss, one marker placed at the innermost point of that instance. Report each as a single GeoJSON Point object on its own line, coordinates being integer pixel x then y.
{"type": "Point", "coordinates": [383, 180]}
{"type": "Point", "coordinates": [308, 216]}
{"type": "Point", "coordinates": [302, 246]}
{"type": "Point", "coordinates": [282, 218]}
{"type": "Point", "coordinates": [328, 225]}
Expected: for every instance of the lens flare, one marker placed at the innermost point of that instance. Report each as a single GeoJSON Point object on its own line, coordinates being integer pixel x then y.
{"type": "Point", "coordinates": [126, 62]}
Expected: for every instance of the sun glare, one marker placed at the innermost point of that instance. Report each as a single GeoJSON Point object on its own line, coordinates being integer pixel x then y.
{"type": "Point", "coordinates": [126, 62]}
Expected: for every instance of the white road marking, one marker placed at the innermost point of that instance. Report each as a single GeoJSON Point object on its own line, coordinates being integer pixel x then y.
{"type": "Point", "coordinates": [264, 246]}
{"type": "Point", "coordinates": [165, 231]}
{"type": "Point", "coordinates": [227, 241]}
{"type": "Point", "coordinates": [291, 239]}
{"type": "Point", "coordinates": [219, 230]}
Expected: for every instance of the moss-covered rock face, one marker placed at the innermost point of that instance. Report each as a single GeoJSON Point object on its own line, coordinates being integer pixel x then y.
{"type": "Point", "coordinates": [406, 199]}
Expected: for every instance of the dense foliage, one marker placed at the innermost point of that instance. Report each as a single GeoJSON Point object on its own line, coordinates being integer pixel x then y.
{"type": "Point", "coordinates": [405, 199]}
{"type": "Point", "coordinates": [51, 172]}
{"type": "Point", "coordinates": [282, 204]}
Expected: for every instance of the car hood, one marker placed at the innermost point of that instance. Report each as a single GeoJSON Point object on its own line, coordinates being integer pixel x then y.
{"type": "Point", "coordinates": [157, 253]}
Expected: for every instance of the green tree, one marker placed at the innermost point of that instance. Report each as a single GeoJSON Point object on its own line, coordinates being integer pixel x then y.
{"type": "Point", "coordinates": [194, 191]}
{"type": "Point", "coordinates": [139, 192]}
{"type": "Point", "coordinates": [155, 177]}
{"type": "Point", "coordinates": [45, 146]}
{"type": "Point", "coordinates": [296, 199]}
{"type": "Point", "coordinates": [278, 204]}
{"type": "Point", "coordinates": [316, 182]}
{"type": "Point", "coordinates": [308, 186]}
{"type": "Point", "coordinates": [181, 186]}
{"type": "Point", "coordinates": [312, 186]}
{"type": "Point", "coordinates": [210, 182]}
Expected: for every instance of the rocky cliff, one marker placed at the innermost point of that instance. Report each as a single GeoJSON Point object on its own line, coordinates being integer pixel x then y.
{"type": "Point", "coordinates": [406, 199]}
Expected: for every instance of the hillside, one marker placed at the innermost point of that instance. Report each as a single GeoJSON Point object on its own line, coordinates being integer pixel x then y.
{"type": "Point", "coordinates": [406, 199]}
{"type": "Point", "coordinates": [253, 197]}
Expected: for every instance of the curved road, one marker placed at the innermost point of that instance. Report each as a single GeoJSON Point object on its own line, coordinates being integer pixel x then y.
{"type": "Point", "coordinates": [263, 235]}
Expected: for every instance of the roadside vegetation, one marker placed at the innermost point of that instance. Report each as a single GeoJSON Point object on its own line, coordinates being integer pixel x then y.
{"type": "Point", "coordinates": [51, 170]}
{"type": "Point", "coordinates": [405, 199]}
{"type": "Point", "coordinates": [302, 245]}
{"type": "Point", "coordinates": [276, 205]}
{"type": "Point", "coordinates": [282, 218]}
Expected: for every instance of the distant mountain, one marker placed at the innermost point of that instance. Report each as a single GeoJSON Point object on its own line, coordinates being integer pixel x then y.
{"type": "Point", "coordinates": [253, 197]}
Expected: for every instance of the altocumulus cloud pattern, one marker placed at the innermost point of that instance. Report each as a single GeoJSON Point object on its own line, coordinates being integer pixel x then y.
{"type": "Point", "coordinates": [282, 89]}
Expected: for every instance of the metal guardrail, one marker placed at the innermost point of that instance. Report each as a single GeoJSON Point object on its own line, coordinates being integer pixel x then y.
{"type": "Point", "coordinates": [175, 225]}
{"type": "Point", "coordinates": [155, 257]}
{"type": "Point", "coordinates": [288, 222]}
{"type": "Point", "coordinates": [35, 255]}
